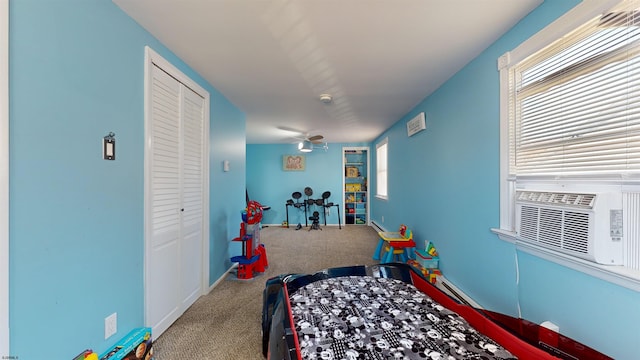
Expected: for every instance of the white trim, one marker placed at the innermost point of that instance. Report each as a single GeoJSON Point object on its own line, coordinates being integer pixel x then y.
{"type": "Point", "coordinates": [4, 178]}
{"type": "Point", "coordinates": [382, 142]}
{"type": "Point", "coordinates": [152, 57]}
{"type": "Point", "coordinates": [368, 193]}
{"type": "Point", "coordinates": [508, 236]}
{"type": "Point", "coordinates": [221, 278]}
{"type": "Point", "coordinates": [580, 14]}
{"type": "Point", "coordinates": [377, 227]}
{"type": "Point", "coordinates": [575, 17]}
{"type": "Point", "coordinates": [506, 194]}
{"type": "Point", "coordinates": [618, 275]}
{"type": "Point", "coordinates": [568, 22]}
{"type": "Point", "coordinates": [450, 289]}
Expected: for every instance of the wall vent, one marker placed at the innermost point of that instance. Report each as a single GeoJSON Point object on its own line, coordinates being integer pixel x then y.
{"type": "Point", "coordinates": [587, 225]}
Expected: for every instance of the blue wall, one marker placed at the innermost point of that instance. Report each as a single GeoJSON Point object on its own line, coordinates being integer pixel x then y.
{"type": "Point", "coordinates": [270, 185]}
{"type": "Point", "coordinates": [227, 199]}
{"type": "Point", "coordinates": [76, 242]}
{"type": "Point", "coordinates": [444, 184]}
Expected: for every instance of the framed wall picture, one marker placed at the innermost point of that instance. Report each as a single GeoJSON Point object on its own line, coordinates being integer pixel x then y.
{"type": "Point", "coordinates": [293, 162]}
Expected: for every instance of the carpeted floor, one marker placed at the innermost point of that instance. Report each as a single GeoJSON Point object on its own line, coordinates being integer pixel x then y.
{"type": "Point", "coordinates": [226, 324]}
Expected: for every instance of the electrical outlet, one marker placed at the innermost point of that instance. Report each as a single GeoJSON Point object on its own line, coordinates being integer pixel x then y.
{"type": "Point", "coordinates": [110, 325]}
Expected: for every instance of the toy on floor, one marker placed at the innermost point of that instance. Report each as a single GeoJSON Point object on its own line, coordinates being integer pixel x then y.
{"type": "Point", "coordinates": [253, 213]}
{"type": "Point", "coordinates": [254, 255]}
{"type": "Point", "coordinates": [429, 273]}
{"type": "Point", "coordinates": [395, 245]}
{"type": "Point", "coordinates": [87, 355]}
{"type": "Point", "coordinates": [137, 344]}
{"type": "Point", "coordinates": [427, 261]}
{"type": "Point", "coordinates": [430, 248]}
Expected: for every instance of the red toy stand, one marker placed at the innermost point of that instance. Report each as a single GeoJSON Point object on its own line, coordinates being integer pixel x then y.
{"type": "Point", "coordinates": [262, 262]}
{"type": "Point", "coordinates": [253, 260]}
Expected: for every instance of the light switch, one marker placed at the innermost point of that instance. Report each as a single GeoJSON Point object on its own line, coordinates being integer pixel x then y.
{"type": "Point", "coordinates": [225, 165]}
{"type": "Point", "coordinates": [109, 147]}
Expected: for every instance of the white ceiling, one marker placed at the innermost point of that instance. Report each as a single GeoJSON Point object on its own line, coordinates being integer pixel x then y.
{"type": "Point", "coordinates": [378, 58]}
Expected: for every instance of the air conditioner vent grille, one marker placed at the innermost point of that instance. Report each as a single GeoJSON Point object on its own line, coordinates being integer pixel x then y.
{"type": "Point", "coordinates": [557, 198]}
{"type": "Point", "coordinates": [576, 232]}
{"type": "Point", "coordinates": [555, 228]}
{"type": "Point", "coordinates": [529, 223]}
{"type": "Point", "coordinates": [550, 227]}
{"type": "Point", "coordinates": [587, 226]}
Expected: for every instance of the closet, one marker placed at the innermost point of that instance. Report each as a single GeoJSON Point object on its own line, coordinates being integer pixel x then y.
{"type": "Point", "coordinates": [176, 193]}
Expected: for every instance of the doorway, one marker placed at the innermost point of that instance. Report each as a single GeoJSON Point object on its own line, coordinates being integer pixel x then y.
{"type": "Point", "coordinates": [355, 163]}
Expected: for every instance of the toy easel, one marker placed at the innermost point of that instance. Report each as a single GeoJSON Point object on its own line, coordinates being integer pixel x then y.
{"type": "Point", "coordinates": [254, 254]}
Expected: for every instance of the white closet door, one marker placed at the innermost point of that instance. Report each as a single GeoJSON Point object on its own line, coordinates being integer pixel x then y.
{"type": "Point", "coordinates": [176, 192]}
{"type": "Point", "coordinates": [192, 195]}
{"type": "Point", "coordinates": [163, 279]}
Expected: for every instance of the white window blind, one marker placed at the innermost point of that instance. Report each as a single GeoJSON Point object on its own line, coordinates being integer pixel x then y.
{"type": "Point", "coordinates": [381, 168]}
{"type": "Point", "coordinates": [574, 106]}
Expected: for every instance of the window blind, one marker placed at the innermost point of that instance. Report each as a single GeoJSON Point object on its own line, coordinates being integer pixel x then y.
{"type": "Point", "coordinates": [574, 106]}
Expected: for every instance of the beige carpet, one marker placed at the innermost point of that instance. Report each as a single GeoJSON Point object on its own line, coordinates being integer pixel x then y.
{"type": "Point", "coordinates": [226, 324]}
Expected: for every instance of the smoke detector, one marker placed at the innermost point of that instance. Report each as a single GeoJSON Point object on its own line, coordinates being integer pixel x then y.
{"type": "Point", "coordinates": [326, 98]}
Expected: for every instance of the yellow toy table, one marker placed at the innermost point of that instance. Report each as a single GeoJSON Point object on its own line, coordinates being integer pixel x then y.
{"type": "Point", "coordinates": [395, 240]}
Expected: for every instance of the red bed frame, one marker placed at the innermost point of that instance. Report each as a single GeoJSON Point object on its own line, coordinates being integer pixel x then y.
{"type": "Point", "coordinates": [522, 338]}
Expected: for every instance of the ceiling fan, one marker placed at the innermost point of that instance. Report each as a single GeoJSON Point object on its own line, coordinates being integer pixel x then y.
{"type": "Point", "coordinates": [305, 141]}
{"type": "Point", "coordinates": [309, 142]}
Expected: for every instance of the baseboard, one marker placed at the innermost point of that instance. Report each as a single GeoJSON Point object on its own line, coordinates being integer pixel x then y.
{"type": "Point", "coordinates": [447, 287]}
{"type": "Point", "coordinates": [293, 226]}
{"type": "Point", "coordinates": [377, 226]}
{"type": "Point", "coordinates": [221, 278]}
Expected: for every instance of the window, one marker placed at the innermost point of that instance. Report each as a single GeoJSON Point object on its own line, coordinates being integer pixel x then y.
{"type": "Point", "coordinates": [570, 118]}
{"type": "Point", "coordinates": [576, 103]}
{"type": "Point", "coordinates": [381, 169]}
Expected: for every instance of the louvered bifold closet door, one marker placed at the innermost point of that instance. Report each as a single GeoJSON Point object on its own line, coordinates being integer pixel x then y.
{"type": "Point", "coordinates": [163, 280]}
{"type": "Point", "coordinates": [176, 193]}
{"type": "Point", "coordinates": [193, 194]}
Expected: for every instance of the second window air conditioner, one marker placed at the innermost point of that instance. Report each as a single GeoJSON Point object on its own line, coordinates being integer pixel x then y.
{"type": "Point", "coordinates": [586, 225]}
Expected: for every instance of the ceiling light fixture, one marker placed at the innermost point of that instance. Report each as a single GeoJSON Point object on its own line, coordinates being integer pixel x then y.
{"type": "Point", "coordinates": [305, 146]}
{"type": "Point", "coordinates": [326, 98]}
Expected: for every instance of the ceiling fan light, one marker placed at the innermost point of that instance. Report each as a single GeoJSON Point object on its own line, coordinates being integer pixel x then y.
{"type": "Point", "coordinates": [326, 98]}
{"type": "Point", "coordinates": [305, 146]}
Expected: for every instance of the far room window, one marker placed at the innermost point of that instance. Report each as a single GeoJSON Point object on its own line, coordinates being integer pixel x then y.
{"type": "Point", "coordinates": [570, 123]}
{"type": "Point", "coordinates": [381, 169]}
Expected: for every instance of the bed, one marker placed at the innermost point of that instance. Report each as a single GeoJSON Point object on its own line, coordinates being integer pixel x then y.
{"type": "Point", "coordinates": [390, 311]}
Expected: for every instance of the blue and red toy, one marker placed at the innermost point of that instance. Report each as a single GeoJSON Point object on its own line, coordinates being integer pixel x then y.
{"type": "Point", "coordinates": [254, 255]}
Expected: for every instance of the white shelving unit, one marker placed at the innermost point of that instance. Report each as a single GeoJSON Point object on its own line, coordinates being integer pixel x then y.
{"type": "Point", "coordinates": [355, 185]}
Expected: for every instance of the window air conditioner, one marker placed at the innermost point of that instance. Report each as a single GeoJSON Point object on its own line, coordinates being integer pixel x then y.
{"type": "Point", "coordinates": [585, 225]}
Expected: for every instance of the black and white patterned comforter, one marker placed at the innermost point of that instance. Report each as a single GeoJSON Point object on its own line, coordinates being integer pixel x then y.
{"type": "Point", "coordinates": [361, 317]}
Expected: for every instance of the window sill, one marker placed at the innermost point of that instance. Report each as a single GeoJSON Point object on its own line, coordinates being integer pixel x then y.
{"type": "Point", "coordinates": [618, 275]}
